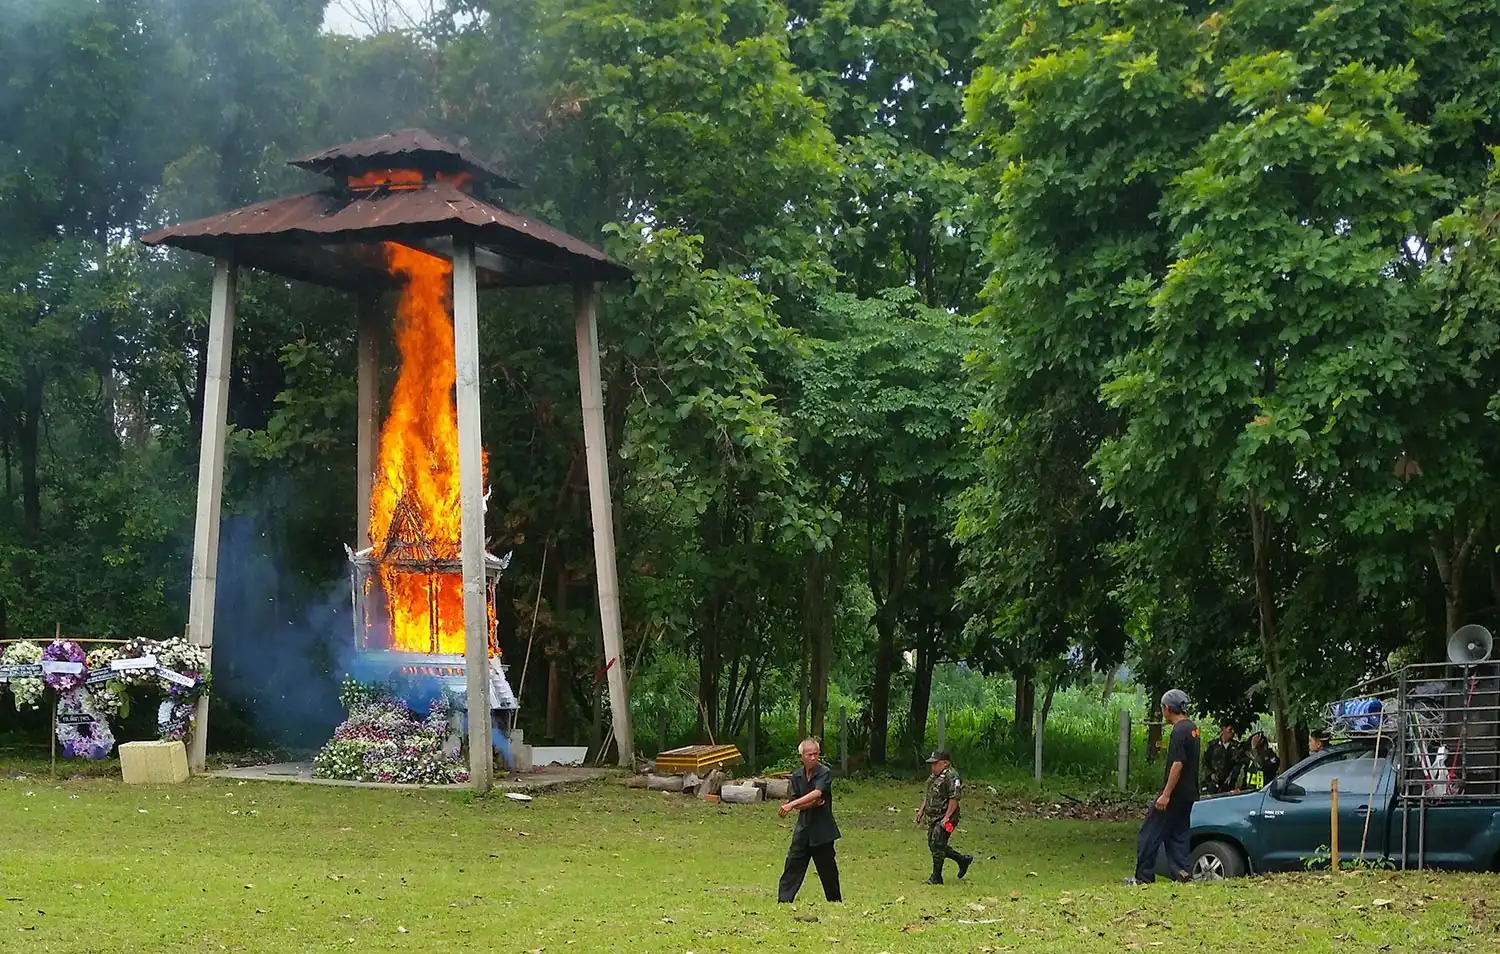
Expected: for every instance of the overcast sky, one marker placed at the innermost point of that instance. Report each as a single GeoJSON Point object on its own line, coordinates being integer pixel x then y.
{"type": "Point", "coordinates": [338, 20]}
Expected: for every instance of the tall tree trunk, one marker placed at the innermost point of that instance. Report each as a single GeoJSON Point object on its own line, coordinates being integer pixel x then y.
{"type": "Point", "coordinates": [1109, 685]}
{"type": "Point", "coordinates": [804, 684]}
{"type": "Point", "coordinates": [559, 613]}
{"type": "Point", "coordinates": [1265, 605]}
{"type": "Point", "coordinates": [1452, 559]}
{"type": "Point", "coordinates": [28, 444]}
{"type": "Point", "coordinates": [888, 576]}
{"type": "Point", "coordinates": [921, 694]}
{"type": "Point", "coordinates": [880, 687]}
{"type": "Point", "coordinates": [1025, 707]}
{"type": "Point", "coordinates": [818, 621]}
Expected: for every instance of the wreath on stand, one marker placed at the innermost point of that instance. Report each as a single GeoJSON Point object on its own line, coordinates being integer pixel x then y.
{"type": "Point", "coordinates": [27, 690]}
{"type": "Point", "coordinates": [69, 654]}
{"type": "Point", "coordinates": [90, 690]}
{"type": "Point", "coordinates": [82, 728]}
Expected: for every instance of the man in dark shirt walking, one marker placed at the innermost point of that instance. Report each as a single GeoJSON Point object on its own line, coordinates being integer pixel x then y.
{"type": "Point", "coordinates": [1169, 821]}
{"type": "Point", "coordinates": [815, 832]}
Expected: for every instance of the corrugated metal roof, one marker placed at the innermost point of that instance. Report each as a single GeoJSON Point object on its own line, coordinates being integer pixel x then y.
{"type": "Point", "coordinates": [268, 235]}
{"type": "Point", "coordinates": [405, 148]}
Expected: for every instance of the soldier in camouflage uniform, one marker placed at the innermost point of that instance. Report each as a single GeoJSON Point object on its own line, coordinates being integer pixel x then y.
{"type": "Point", "coordinates": [939, 812]}
{"type": "Point", "coordinates": [1224, 762]}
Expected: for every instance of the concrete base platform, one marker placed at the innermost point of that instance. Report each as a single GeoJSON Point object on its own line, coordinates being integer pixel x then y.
{"type": "Point", "coordinates": [548, 778]}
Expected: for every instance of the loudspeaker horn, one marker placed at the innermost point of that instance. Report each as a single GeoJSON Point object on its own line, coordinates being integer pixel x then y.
{"type": "Point", "coordinates": [1470, 644]}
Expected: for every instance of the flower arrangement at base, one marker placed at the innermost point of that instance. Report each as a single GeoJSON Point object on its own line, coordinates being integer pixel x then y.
{"type": "Point", "coordinates": [65, 651]}
{"type": "Point", "coordinates": [27, 690]}
{"type": "Point", "coordinates": [109, 697]}
{"type": "Point", "coordinates": [91, 739]}
{"type": "Point", "coordinates": [384, 741]}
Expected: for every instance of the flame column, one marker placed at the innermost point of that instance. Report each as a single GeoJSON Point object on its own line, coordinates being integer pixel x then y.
{"type": "Point", "coordinates": [205, 582]}
{"type": "Point", "coordinates": [471, 513]}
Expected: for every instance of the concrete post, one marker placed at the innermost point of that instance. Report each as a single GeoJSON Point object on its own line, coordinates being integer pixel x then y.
{"type": "Point", "coordinates": [942, 732]}
{"type": "Point", "coordinates": [1123, 769]}
{"type": "Point", "coordinates": [1037, 755]}
{"type": "Point", "coordinates": [205, 582]}
{"type": "Point", "coordinates": [591, 389]}
{"type": "Point", "coordinates": [471, 514]}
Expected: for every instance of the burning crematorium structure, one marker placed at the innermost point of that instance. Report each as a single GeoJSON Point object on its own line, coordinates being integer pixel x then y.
{"type": "Point", "coordinates": [411, 214]}
{"type": "Point", "coordinates": [407, 585]}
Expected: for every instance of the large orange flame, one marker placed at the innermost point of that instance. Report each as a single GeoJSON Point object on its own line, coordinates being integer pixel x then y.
{"type": "Point", "coordinates": [414, 508]}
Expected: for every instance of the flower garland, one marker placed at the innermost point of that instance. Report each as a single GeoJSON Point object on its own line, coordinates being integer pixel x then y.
{"type": "Point", "coordinates": [181, 656]}
{"type": "Point", "coordinates": [66, 651]}
{"type": "Point", "coordinates": [138, 648]}
{"type": "Point", "coordinates": [91, 739]}
{"type": "Point", "coordinates": [28, 690]}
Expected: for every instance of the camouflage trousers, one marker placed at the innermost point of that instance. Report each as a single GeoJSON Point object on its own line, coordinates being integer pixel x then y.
{"type": "Point", "coordinates": [937, 839]}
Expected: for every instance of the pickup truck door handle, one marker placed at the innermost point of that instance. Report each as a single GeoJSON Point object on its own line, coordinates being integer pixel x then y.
{"type": "Point", "coordinates": [1362, 810]}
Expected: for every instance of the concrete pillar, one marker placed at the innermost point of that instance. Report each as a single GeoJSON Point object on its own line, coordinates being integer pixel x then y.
{"type": "Point", "coordinates": [471, 514]}
{"type": "Point", "coordinates": [1122, 770]}
{"type": "Point", "coordinates": [367, 437]}
{"type": "Point", "coordinates": [586, 326]}
{"type": "Point", "coordinates": [204, 587]}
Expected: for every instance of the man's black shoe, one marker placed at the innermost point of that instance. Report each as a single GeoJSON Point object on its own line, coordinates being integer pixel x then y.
{"type": "Point", "coordinates": [963, 865]}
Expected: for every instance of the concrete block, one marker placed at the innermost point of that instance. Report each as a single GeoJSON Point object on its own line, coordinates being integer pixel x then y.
{"type": "Point", "coordinates": [740, 794]}
{"type": "Point", "coordinates": [778, 789]}
{"type": "Point", "coordinates": [153, 763]}
{"type": "Point", "coordinates": [664, 783]}
{"type": "Point", "coordinates": [521, 756]}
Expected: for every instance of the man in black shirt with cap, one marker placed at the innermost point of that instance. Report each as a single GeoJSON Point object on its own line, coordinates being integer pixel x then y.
{"type": "Point", "coordinates": [1169, 821]}
{"type": "Point", "coordinates": [815, 832]}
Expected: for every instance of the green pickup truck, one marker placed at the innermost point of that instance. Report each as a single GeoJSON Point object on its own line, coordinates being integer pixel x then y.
{"type": "Point", "coordinates": [1287, 823]}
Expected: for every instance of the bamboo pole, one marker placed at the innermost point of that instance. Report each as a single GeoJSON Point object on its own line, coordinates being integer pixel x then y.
{"type": "Point", "coordinates": [1333, 811]}
{"type": "Point", "coordinates": [471, 512]}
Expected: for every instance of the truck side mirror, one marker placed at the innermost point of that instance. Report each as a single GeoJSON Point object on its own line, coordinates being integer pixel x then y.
{"type": "Point", "coordinates": [1277, 787]}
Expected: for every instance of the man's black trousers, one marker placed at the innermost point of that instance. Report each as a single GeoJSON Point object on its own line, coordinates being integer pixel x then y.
{"type": "Point", "coordinates": [797, 857]}
{"type": "Point", "coordinates": [1170, 828]}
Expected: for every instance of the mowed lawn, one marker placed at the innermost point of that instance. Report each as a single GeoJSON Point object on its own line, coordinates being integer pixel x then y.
{"type": "Point", "coordinates": [92, 866]}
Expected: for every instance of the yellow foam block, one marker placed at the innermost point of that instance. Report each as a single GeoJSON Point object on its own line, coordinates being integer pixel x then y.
{"type": "Point", "coordinates": [153, 763]}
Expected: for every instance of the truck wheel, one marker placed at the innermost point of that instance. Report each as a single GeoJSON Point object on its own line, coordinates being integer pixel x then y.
{"type": "Point", "coordinates": [1217, 860]}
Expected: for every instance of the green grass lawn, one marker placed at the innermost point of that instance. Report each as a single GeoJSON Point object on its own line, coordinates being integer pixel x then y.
{"type": "Point", "coordinates": [92, 866]}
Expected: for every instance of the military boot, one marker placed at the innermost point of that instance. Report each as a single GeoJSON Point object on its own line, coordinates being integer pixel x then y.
{"type": "Point", "coordinates": [937, 872]}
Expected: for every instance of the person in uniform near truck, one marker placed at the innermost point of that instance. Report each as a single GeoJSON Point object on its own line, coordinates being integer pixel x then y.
{"type": "Point", "coordinates": [1169, 819]}
{"type": "Point", "coordinates": [1224, 762]}
{"type": "Point", "coordinates": [815, 832]}
{"type": "Point", "coordinates": [1262, 764]}
{"type": "Point", "coordinates": [939, 812]}
{"type": "Point", "coordinates": [1317, 740]}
